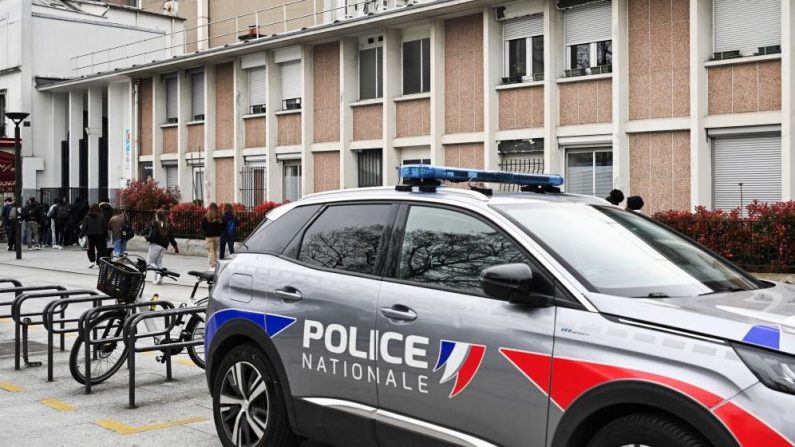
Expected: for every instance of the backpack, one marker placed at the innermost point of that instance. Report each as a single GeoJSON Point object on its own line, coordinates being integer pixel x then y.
{"type": "Point", "coordinates": [62, 213]}
{"type": "Point", "coordinates": [127, 232]}
{"type": "Point", "coordinates": [230, 226]}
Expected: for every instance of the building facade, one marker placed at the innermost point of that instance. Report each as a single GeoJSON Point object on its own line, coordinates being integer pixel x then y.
{"type": "Point", "coordinates": [685, 102]}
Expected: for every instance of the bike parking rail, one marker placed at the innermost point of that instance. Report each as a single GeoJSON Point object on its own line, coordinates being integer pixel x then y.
{"type": "Point", "coordinates": [22, 320]}
{"type": "Point", "coordinates": [85, 327]}
{"type": "Point", "coordinates": [19, 289]}
{"type": "Point", "coordinates": [131, 337]}
{"type": "Point", "coordinates": [59, 307]}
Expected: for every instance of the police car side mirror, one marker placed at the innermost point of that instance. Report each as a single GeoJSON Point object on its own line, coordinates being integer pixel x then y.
{"type": "Point", "coordinates": [514, 283]}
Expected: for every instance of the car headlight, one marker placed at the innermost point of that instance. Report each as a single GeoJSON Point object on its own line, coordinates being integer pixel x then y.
{"type": "Point", "coordinates": [775, 370]}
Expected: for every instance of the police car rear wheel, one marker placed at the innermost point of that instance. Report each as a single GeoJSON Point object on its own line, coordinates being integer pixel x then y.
{"type": "Point", "coordinates": [248, 404]}
{"type": "Point", "coordinates": [647, 430]}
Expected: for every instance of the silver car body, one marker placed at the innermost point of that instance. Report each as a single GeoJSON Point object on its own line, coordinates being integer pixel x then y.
{"type": "Point", "coordinates": [474, 371]}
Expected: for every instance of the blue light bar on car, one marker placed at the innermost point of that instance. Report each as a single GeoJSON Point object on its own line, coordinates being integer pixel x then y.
{"type": "Point", "coordinates": [430, 172]}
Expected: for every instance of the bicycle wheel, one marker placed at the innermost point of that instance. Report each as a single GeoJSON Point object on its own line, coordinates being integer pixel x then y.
{"type": "Point", "coordinates": [195, 331]}
{"type": "Point", "coordinates": [106, 358]}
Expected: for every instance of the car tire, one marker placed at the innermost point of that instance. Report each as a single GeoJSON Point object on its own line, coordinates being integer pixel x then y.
{"type": "Point", "coordinates": [647, 429]}
{"type": "Point", "coordinates": [248, 403]}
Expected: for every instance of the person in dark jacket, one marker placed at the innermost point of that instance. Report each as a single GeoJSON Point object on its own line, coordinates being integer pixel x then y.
{"type": "Point", "coordinates": [159, 235]}
{"type": "Point", "coordinates": [31, 213]}
{"type": "Point", "coordinates": [213, 228]}
{"type": "Point", "coordinates": [10, 224]}
{"type": "Point", "coordinates": [116, 225]}
{"type": "Point", "coordinates": [95, 229]}
{"type": "Point", "coordinates": [5, 215]}
{"type": "Point", "coordinates": [230, 230]}
{"type": "Point", "coordinates": [76, 215]}
{"type": "Point", "coordinates": [107, 212]}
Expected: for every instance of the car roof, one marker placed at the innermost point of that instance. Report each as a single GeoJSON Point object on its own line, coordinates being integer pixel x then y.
{"type": "Point", "coordinates": [441, 194]}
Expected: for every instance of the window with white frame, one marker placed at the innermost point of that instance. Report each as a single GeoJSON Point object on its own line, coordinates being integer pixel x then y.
{"type": "Point", "coordinates": [172, 100]}
{"type": "Point", "coordinates": [292, 76]}
{"type": "Point", "coordinates": [744, 28]}
{"type": "Point", "coordinates": [417, 66]}
{"type": "Point", "coordinates": [291, 180]}
{"type": "Point", "coordinates": [371, 63]}
{"type": "Point", "coordinates": [524, 49]}
{"type": "Point", "coordinates": [197, 95]}
{"type": "Point", "coordinates": [257, 95]}
{"type": "Point", "coordinates": [588, 37]}
{"type": "Point", "coordinates": [589, 171]}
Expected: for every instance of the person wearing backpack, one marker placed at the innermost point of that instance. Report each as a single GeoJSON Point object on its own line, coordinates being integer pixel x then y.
{"type": "Point", "coordinates": [58, 215]}
{"type": "Point", "coordinates": [160, 235]}
{"type": "Point", "coordinates": [31, 214]}
{"type": "Point", "coordinates": [120, 231]}
{"type": "Point", "coordinates": [230, 229]}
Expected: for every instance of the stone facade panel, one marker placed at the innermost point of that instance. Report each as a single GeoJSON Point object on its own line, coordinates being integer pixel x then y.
{"type": "Point", "coordinates": [326, 79]}
{"type": "Point", "coordinates": [413, 118]}
{"type": "Point", "coordinates": [255, 132]}
{"type": "Point", "coordinates": [463, 77]}
{"type": "Point", "coordinates": [745, 87]}
{"type": "Point", "coordinates": [326, 171]}
{"type": "Point", "coordinates": [368, 122]}
{"type": "Point", "coordinates": [660, 170]}
{"type": "Point", "coordinates": [170, 140]}
{"type": "Point", "coordinates": [145, 119]}
{"type": "Point", "coordinates": [289, 129]}
{"type": "Point", "coordinates": [224, 106]}
{"type": "Point", "coordinates": [521, 108]}
{"type": "Point", "coordinates": [224, 180]}
{"type": "Point", "coordinates": [196, 138]}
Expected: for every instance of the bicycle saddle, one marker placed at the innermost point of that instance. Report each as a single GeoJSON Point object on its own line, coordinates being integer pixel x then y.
{"type": "Point", "coordinates": [207, 276]}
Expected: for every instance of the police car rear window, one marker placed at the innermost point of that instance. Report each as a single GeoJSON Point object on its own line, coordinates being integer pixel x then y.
{"type": "Point", "coordinates": [273, 236]}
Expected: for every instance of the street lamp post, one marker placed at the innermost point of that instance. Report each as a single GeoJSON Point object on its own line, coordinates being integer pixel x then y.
{"type": "Point", "coordinates": [17, 118]}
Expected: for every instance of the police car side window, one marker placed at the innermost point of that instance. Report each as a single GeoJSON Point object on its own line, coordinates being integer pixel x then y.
{"type": "Point", "coordinates": [346, 237]}
{"type": "Point", "coordinates": [449, 249]}
{"type": "Point", "coordinates": [274, 235]}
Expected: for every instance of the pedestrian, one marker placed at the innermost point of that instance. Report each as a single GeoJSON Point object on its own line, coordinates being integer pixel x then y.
{"type": "Point", "coordinates": [73, 224]}
{"type": "Point", "coordinates": [6, 211]}
{"type": "Point", "coordinates": [12, 227]}
{"type": "Point", "coordinates": [213, 228]}
{"type": "Point", "coordinates": [159, 235]}
{"type": "Point", "coordinates": [56, 231]}
{"type": "Point", "coordinates": [107, 212]}
{"type": "Point", "coordinates": [116, 225]}
{"type": "Point", "coordinates": [60, 221]}
{"type": "Point", "coordinates": [230, 229]}
{"type": "Point", "coordinates": [31, 215]}
{"type": "Point", "coordinates": [95, 229]}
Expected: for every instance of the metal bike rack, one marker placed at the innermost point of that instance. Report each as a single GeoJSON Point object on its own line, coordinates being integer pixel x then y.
{"type": "Point", "coordinates": [85, 328]}
{"type": "Point", "coordinates": [19, 291]}
{"type": "Point", "coordinates": [49, 318]}
{"type": "Point", "coordinates": [131, 337]}
{"type": "Point", "coordinates": [22, 320]}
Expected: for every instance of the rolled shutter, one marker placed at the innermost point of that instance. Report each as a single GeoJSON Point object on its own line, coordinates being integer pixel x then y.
{"type": "Point", "coordinates": [257, 80]}
{"type": "Point", "coordinates": [172, 176]}
{"type": "Point", "coordinates": [589, 23]}
{"type": "Point", "coordinates": [292, 79]}
{"type": "Point", "coordinates": [754, 161]}
{"type": "Point", "coordinates": [747, 25]}
{"type": "Point", "coordinates": [172, 98]}
{"type": "Point", "coordinates": [197, 94]}
{"type": "Point", "coordinates": [521, 27]}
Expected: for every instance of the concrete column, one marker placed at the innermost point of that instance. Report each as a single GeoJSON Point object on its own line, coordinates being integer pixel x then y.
{"type": "Point", "coordinates": [158, 119]}
{"type": "Point", "coordinates": [437, 90]}
{"type": "Point", "coordinates": [307, 121]}
{"type": "Point", "coordinates": [184, 172]}
{"type": "Point", "coordinates": [209, 134]}
{"type": "Point", "coordinates": [57, 132]}
{"type": "Point", "coordinates": [203, 23]}
{"type": "Point", "coordinates": [94, 134]}
{"type": "Point", "coordinates": [787, 101]}
{"type": "Point", "coordinates": [119, 112]}
{"type": "Point", "coordinates": [553, 69]}
{"type": "Point", "coordinates": [76, 107]}
{"type": "Point", "coordinates": [273, 90]}
{"type": "Point", "coordinates": [492, 75]}
{"type": "Point", "coordinates": [240, 89]}
{"type": "Point", "coordinates": [348, 94]}
{"type": "Point", "coordinates": [620, 95]}
{"type": "Point", "coordinates": [392, 75]}
{"type": "Point", "coordinates": [700, 51]}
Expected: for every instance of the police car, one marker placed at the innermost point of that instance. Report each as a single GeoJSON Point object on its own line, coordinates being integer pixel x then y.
{"type": "Point", "coordinates": [426, 315]}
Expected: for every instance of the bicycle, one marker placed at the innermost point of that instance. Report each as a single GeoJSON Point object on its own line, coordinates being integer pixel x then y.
{"type": "Point", "coordinates": [124, 279]}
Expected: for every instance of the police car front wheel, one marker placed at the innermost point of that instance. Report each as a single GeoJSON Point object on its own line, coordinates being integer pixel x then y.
{"type": "Point", "coordinates": [248, 404]}
{"type": "Point", "coordinates": [647, 430]}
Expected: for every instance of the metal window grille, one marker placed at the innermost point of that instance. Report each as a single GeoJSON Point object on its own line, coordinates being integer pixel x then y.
{"type": "Point", "coordinates": [253, 185]}
{"type": "Point", "coordinates": [370, 168]}
{"type": "Point", "coordinates": [526, 164]}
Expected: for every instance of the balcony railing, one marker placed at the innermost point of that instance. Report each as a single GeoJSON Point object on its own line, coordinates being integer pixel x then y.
{"type": "Point", "coordinates": [289, 16]}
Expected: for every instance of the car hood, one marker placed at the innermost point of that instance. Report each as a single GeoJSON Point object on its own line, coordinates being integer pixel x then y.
{"type": "Point", "coordinates": [764, 317]}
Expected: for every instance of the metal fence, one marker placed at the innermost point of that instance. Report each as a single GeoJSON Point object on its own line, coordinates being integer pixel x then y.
{"type": "Point", "coordinates": [47, 195]}
{"type": "Point", "coordinates": [187, 224]}
{"type": "Point", "coordinates": [763, 245]}
{"type": "Point", "coordinates": [523, 165]}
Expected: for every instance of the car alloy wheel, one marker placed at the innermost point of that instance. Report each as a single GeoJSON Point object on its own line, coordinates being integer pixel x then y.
{"type": "Point", "coordinates": [244, 404]}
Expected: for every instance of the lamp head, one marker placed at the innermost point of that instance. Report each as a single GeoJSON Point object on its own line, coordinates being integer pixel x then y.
{"type": "Point", "coordinates": [17, 117]}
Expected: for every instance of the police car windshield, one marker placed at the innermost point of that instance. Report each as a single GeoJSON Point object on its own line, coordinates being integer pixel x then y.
{"type": "Point", "coordinates": [621, 253]}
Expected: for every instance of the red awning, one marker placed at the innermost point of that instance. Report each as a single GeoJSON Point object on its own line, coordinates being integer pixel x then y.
{"type": "Point", "coordinates": [7, 172]}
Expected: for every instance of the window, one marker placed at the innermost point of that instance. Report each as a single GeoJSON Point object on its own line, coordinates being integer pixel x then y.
{"type": "Point", "coordinates": [346, 238]}
{"type": "Point", "coordinates": [145, 170]}
{"type": "Point", "coordinates": [747, 27]}
{"type": "Point", "coordinates": [589, 172]}
{"type": "Point", "coordinates": [588, 36]}
{"type": "Point", "coordinates": [417, 66]}
{"type": "Point", "coordinates": [746, 168]}
{"type": "Point", "coordinates": [198, 183]}
{"type": "Point", "coordinates": [291, 181]}
{"type": "Point", "coordinates": [274, 235]}
{"type": "Point", "coordinates": [172, 176]}
{"type": "Point", "coordinates": [252, 184]}
{"type": "Point", "coordinates": [257, 95]}
{"type": "Point", "coordinates": [197, 95]}
{"type": "Point", "coordinates": [292, 79]}
{"type": "Point", "coordinates": [371, 62]}
{"type": "Point", "coordinates": [524, 49]}
{"type": "Point", "coordinates": [172, 100]}
{"type": "Point", "coordinates": [449, 249]}
{"type": "Point", "coordinates": [370, 165]}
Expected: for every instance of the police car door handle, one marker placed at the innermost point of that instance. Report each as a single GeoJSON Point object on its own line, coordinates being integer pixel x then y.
{"type": "Point", "coordinates": [399, 312]}
{"type": "Point", "coordinates": [289, 294]}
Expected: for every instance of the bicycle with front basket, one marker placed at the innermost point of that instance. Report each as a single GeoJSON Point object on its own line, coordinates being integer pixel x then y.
{"type": "Point", "coordinates": [124, 279]}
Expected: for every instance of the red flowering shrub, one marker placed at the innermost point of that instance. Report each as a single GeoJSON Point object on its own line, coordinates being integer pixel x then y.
{"type": "Point", "coordinates": [146, 195]}
{"type": "Point", "coordinates": [186, 218]}
{"type": "Point", "coordinates": [265, 207]}
{"type": "Point", "coordinates": [761, 240]}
